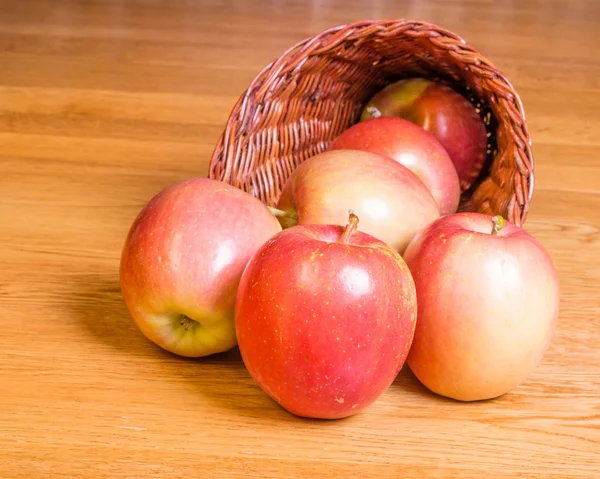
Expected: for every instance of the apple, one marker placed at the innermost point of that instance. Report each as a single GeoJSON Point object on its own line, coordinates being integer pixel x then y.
{"type": "Point", "coordinates": [488, 302]}
{"type": "Point", "coordinates": [445, 113]}
{"type": "Point", "coordinates": [325, 316]}
{"type": "Point", "coordinates": [182, 261]}
{"type": "Point", "coordinates": [411, 146]}
{"type": "Point", "coordinates": [391, 201]}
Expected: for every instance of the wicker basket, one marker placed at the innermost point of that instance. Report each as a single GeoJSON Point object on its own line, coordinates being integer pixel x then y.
{"type": "Point", "coordinates": [299, 103]}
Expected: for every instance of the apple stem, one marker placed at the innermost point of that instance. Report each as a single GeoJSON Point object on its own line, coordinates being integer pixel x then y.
{"type": "Point", "coordinates": [374, 112]}
{"type": "Point", "coordinates": [187, 323]}
{"type": "Point", "coordinates": [289, 214]}
{"type": "Point", "coordinates": [350, 227]}
{"type": "Point", "coordinates": [498, 224]}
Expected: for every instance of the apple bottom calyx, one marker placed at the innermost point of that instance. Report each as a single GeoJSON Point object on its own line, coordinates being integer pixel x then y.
{"type": "Point", "coordinates": [187, 323]}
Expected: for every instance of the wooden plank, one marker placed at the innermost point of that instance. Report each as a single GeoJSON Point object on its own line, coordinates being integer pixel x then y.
{"type": "Point", "coordinates": [103, 103]}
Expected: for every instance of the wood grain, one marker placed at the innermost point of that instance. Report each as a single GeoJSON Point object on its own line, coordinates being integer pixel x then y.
{"type": "Point", "coordinates": [105, 102]}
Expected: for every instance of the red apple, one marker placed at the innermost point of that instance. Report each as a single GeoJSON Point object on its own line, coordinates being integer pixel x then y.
{"type": "Point", "coordinates": [391, 201]}
{"type": "Point", "coordinates": [325, 316]}
{"type": "Point", "coordinates": [411, 146]}
{"type": "Point", "coordinates": [488, 302]}
{"type": "Point", "coordinates": [448, 115]}
{"type": "Point", "coordinates": [182, 261]}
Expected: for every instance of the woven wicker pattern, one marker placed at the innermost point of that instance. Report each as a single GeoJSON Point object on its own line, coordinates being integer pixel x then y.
{"type": "Point", "coordinates": [299, 103]}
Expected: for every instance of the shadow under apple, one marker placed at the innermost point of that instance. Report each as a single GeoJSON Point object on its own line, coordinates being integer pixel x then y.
{"type": "Point", "coordinates": [221, 378]}
{"type": "Point", "coordinates": [409, 384]}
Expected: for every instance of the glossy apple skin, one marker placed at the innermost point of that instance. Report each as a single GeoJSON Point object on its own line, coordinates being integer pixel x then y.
{"type": "Point", "coordinates": [446, 114]}
{"type": "Point", "coordinates": [487, 306]}
{"type": "Point", "coordinates": [411, 146]}
{"type": "Point", "coordinates": [324, 327]}
{"type": "Point", "coordinates": [391, 201]}
{"type": "Point", "coordinates": [184, 255]}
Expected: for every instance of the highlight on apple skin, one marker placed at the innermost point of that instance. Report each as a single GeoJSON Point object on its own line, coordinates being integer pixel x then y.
{"type": "Point", "coordinates": [488, 303]}
{"type": "Point", "coordinates": [182, 261]}
{"type": "Point", "coordinates": [325, 316]}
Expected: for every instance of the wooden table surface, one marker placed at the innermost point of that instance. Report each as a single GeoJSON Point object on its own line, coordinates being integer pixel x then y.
{"type": "Point", "coordinates": [105, 102]}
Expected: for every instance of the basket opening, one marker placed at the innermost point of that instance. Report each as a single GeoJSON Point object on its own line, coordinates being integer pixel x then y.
{"type": "Point", "coordinates": [300, 103]}
{"type": "Point", "coordinates": [317, 100]}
